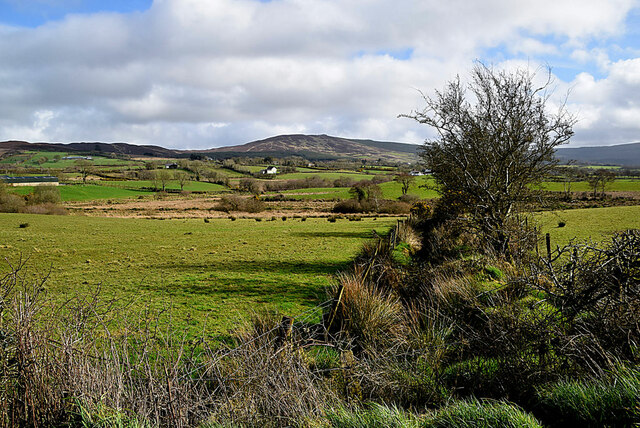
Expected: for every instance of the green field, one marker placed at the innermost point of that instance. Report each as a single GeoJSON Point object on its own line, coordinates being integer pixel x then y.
{"type": "Point", "coordinates": [214, 273]}
{"type": "Point", "coordinates": [30, 159]}
{"type": "Point", "coordinates": [619, 185]}
{"type": "Point", "coordinates": [328, 175]}
{"type": "Point", "coordinates": [390, 190]}
{"type": "Point", "coordinates": [87, 192]}
{"type": "Point", "coordinates": [582, 224]}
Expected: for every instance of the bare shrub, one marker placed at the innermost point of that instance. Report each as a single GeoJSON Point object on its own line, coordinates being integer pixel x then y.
{"type": "Point", "coordinates": [252, 205]}
{"type": "Point", "coordinates": [11, 203]}
{"type": "Point", "coordinates": [45, 208]}
{"type": "Point", "coordinates": [229, 203]}
{"type": "Point", "coordinates": [393, 207]}
{"type": "Point", "coordinates": [348, 206]}
{"type": "Point", "coordinates": [596, 289]}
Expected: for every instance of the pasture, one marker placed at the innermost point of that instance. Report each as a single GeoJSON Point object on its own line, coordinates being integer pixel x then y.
{"type": "Point", "coordinates": [587, 223]}
{"type": "Point", "coordinates": [212, 274]}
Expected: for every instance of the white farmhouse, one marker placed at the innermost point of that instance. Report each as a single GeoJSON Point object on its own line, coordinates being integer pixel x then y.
{"type": "Point", "coordinates": [270, 170]}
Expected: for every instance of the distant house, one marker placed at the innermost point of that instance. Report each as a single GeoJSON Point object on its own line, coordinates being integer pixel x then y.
{"type": "Point", "coordinates": [77, 157]}
{"type": "Point", "coordinates": [40, 180]}
{"type": "Point", "coordinates": [416, 173]}
{"type": "Point", "coordinates": [171, 166]}
{"type": "Point", "coordinates": [270, 170]}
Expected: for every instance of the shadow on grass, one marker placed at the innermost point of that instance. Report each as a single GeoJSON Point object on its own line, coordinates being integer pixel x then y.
{"type": "Point", "coordinates": [255, 267]}
{"type": "Point", "coordinates": [267, 282]}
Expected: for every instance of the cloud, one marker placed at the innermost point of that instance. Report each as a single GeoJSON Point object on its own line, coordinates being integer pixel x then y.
{"type": "Point", "coordinates": [197, 73]}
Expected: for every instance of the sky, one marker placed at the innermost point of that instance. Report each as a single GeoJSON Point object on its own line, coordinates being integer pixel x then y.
{"type": "Point", "coordinates": [196, 74]}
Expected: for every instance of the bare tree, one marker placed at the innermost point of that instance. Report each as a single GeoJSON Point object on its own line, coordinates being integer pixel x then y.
{"type": "Point", "coordinates": [162, 177]}
{"type": "Point", "coordinates": [182, 178]}
{"type": "Point", "coordinates": [492, 146]}
{"type": "Point", "coordinates": [405, 180]}
{"type": "Point", "coordinates": [599, 181]}
{"type": "Point", "coordinates": [84, 167]}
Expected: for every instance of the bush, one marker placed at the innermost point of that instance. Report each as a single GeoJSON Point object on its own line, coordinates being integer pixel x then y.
{"type": "Point", "coordinates": [229, 203]}
{"type": "Point", "coordinates": [44, 194]}
{"type": "Point", "coordinates": [348, 206]}
{"type": "Point", "coordinates": [393, 207]}
{"type": "Point", "coordinates": [11, 203]}
{"type": "Point", "coordinates": [45, 208]}
{"type": "Point", "coordinates": [409, 199]}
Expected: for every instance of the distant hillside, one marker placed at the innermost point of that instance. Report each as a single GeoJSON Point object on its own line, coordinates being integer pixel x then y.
{"type": "Point", "coordinates": [325, 147]}
{"type": "Point", "coordinates": [312, 147]}
{"type": "Point", "coordinates": [321, 147]}
{"type": "Point", "coordinates": [622, 154]}
{"type": "Point", "coordinates": [121, 148]}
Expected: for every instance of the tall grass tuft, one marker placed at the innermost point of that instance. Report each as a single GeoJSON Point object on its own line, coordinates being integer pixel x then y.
{"type": "Point", "coordinates": [374, 415]}
{"type": "Point", "coordinates": [366, 314]}
{"type": "Point", "coordinates": [613, 401]}
{"type": "Point", "coordinates": [473, 413]}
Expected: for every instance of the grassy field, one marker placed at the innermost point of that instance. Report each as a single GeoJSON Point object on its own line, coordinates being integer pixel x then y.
{"type": "Point", "coordinates": [619, 185]}
{"type": "Point", "coordinates": [31, 159]}
{"type": "Point", "coordinates": [211, 273]}
{"type": "Point", "coordinates": [589, 223]}
{"type": "Point", "coordinates": [390, 190]}
{"type": "Point", "coordinates": [87, 192]}
{"type": "Point", "coordinates": [328, 175]}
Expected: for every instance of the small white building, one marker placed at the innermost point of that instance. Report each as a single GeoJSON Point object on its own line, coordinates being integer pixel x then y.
{"type": "Point", "coordinates": [39, 180]}
{"type": "Point", "coordinates": [270, 170]}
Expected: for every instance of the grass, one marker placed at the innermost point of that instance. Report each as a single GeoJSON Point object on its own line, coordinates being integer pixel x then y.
{"type": "Point", "coordinates": [603, 402]}
{"type": "Point", "coordinates": [375, 415]}
{"type": "Point", "coordinates": [87, 192]}
{"type": "Point", "coordinates": [211, 273]}
{"type": "Point", "coordinates": [328, 175]}
{"type": "Point", "coordinates": [390, 190]}
{"type": "Point", "coordinates": [31, 159]}
{"type": "Point", "coordinates": [619, 185]}
{"type": "Point", "coordinates": [478, 414]}
{"type": "Point", "coordinates": [582, 224]}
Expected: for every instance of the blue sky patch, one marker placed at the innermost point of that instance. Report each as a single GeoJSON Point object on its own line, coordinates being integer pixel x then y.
{"type": "Point", "coordinates": [34, 13]}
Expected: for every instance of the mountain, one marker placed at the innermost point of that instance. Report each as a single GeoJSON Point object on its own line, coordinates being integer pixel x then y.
{"type": "Point", "coordinates": [324, 147]}
{"type": "Point", "coordinates": [627, 155]}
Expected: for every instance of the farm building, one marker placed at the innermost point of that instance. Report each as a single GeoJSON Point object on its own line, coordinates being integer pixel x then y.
{"type": "Point", "coordinates": [77, 157]}
{"type": "Point", "coordinates": [171, 166]}
{"type": "Point", "coordinates": [40, 180]}
{"type": "Point", "coordinates": [270, 170]}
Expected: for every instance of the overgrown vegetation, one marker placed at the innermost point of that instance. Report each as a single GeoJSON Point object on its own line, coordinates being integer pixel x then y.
{"type": "Point", "coordinates": [42, 200]}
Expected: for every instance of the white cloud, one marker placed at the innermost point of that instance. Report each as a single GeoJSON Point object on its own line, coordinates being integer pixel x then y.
{"type": "Point", "coordinates": [200, 73]}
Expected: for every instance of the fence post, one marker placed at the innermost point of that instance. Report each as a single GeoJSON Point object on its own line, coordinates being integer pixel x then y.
{"type": "Point", "coordinates": [548, 239]}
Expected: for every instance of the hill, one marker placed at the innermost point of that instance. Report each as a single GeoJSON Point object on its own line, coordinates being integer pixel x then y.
{"type": "Point", "coordinates": [627, 155]}
{"type": "Point", "coordinates": [324, 147]}
{"type": "Point", "coordinates": [119, 148]}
